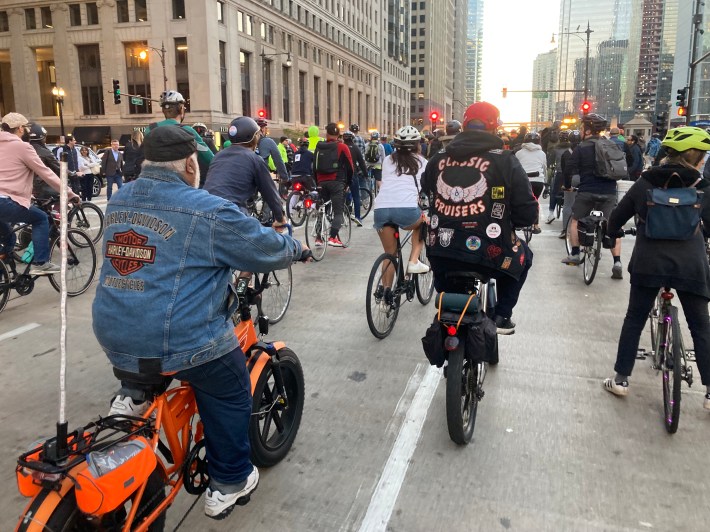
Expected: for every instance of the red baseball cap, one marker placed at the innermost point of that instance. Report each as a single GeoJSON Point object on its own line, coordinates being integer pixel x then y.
{"type": "Point", "coordinates": [481, 115]}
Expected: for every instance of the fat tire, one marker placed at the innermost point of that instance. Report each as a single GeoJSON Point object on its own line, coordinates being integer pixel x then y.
{"type": "Point", "coordinates": [461, 400]}
{"type": "Point", "coordinates": [79, 220]}
{"type": "Point", "coordinates": [81, 252]}
{"type": "Point", "coordinates": [672, 374]}
{"type": "Point", "coordinates": [370, 303]}
{"type": "Point", "coordinates": [592, 256]}
{"type": "Point", "coordinates": [269, 451]}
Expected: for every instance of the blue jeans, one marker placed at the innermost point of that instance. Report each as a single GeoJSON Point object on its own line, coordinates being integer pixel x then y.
{"type": "Point", "coordinates": [355, 195]}
{"type": "Point", "coordinates": [223, 394]}
{"type": "Point", "coordinates": [12, 212]}
{"type": "Point", "coordinates": [110, 180]}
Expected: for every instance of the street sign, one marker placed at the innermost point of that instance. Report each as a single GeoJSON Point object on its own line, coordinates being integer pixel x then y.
{"type": "Point", "coordinates": [540, 95]}
{"type": "Point", "coordinates": [700, 123]}
{"type": "Point", "coordinates": [135, 100]}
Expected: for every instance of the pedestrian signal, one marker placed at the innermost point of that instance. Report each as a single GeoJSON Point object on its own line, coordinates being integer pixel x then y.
{"type": "Point", "coordinates": [261, 113]}
{"type": "Point", "coordinates": [586, 107]}
{"type": "Point", "coordinates": [682, 111]}
{"type": "Point", "coordinates": [434, 116]}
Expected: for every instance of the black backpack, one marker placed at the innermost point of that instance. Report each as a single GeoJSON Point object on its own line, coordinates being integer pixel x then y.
{"type": "Point", "coordinates": [372, 153]}
{"type": "Point", "coordinates": [326, 158]}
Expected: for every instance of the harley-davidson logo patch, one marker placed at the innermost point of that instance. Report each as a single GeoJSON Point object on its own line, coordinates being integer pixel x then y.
{"type": "Point", "coordinates": [128, 252]}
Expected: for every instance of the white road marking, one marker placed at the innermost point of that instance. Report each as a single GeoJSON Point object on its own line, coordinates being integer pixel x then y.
{"type": "Point", "coordinates": [387, 490]}
{"type": "Point", "coordinates": [18, 331]}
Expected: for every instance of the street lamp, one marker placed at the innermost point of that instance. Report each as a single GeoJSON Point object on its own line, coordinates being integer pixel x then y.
{"type": "Point", "coordinates": [58, 93]}
{"type": "Point", "coordinates": [588, 32]}
{"type": "Point", "coordinates": [143, 54]}
{"type": "Point", "coordinates": [288, 63]}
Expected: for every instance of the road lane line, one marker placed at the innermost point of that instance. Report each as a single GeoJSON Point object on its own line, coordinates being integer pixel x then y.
{"type": "Point", "coordinates": [19, 330]}
{"type": "Point", "coordinates": [387, 490]}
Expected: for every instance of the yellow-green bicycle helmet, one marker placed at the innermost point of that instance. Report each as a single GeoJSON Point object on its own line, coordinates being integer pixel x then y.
{"type": "Point", "coordinates": [684, 138]}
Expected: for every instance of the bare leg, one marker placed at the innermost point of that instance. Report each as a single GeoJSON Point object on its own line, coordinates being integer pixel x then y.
{"type": "Point", "coordinates": [417, 243]}
{"type": "Point", "coordinates": [389, 244]}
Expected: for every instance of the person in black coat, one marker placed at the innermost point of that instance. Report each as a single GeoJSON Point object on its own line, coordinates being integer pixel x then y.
{"type": "Point", "coordinates": [133, 157]}
{"type": "Point", "coordinates": [359, 174]}
{"type": "Point", "coordinates": [679, 264]}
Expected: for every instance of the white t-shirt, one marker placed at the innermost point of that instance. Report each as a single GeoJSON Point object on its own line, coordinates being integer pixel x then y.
{"type": "Point", "coordinates": [398, 190]}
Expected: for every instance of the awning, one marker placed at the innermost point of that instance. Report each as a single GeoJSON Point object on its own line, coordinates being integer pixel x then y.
{"type": "Point", "coordinates": [92, 134]}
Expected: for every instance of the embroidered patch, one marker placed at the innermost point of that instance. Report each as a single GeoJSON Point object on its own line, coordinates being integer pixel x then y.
{"type": "Point", "coordinates": [506, 263]}
{"type": "Point", "coordinates": [432, 238]}
{"type": "Point", "coordinates": [522, 259]}
{"type": "Point", "coordinates": [498, 210]}
{"type": "Point", "coordinates": [128, 252]}
{"type": "Point", "coordinates": [493, 251]}
{"type": "Point", "coordinates": [498, 192]}
{"type": "Point", "coordinates": [473, 243]}
{"type": "Point", "coordinates": [469, 225]}
{"type": "Point", "coordinates": [434, 223]}
{"type": "Point", "coordinates": [445, 236]}
{"type": "Point", "coordinates": [493, 231]}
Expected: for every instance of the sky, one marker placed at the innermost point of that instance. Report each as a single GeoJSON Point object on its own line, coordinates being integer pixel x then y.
{"type": "Point", "coordinates": [514, 33]}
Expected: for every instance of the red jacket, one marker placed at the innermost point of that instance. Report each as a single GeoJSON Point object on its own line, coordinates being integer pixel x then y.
{"type": "Point", "coordinates": [345, 172]}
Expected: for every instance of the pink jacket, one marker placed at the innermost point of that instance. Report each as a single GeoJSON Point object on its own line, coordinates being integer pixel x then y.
{"type": "Point", "coordinates": [19, 163]}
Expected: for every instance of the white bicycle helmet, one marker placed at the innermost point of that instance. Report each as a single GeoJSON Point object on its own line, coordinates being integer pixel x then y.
{"type": "Point", "coordinates": [169, 98]}
{"type": "Point", "coordinates": [407, 136]}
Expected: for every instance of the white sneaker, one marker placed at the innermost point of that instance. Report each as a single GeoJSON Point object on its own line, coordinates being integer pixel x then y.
{"type": "Point", "coordinates": [417, 267]}
{"type": "Point", "coordinates": [617, 388]}
{"type": "Point", "coordinates": [48, 268]}
{"type": "Point", "coordinates": [124, 404]}
{"type": "Point", "coordinates": [551, 218]}
{"type": "Point", "coordinates": [218, 505]}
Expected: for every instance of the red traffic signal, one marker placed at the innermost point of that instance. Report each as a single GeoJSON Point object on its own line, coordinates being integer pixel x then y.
{"type": "Point", "coordinates": [434, 116]}
{"type": "Point", "coordinates": [682, 111]}
{"type": "Point", "coordinates": [261, 113]}
{"type": "Point", "coordinates": [586, 107]}
{"type": "Point", "coordinates": [505, 92]}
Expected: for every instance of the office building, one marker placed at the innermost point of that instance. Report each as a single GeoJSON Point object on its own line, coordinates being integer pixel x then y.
{"type": "Point", "coordinates": [474, 51]}
{"type": "Point", "coordinates": [543, 83]}
{"type": "Point", "coordinates": [395, 65]}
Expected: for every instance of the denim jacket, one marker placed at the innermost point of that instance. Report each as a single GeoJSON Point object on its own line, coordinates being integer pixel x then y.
{"type": "Point", "coordinates": [169, 252]}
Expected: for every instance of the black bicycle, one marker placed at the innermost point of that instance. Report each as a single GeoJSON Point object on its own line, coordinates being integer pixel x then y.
{"type": "Point", "coordinates": [389, 281]}
{"type": "Point", "coordinates": [591, 231]}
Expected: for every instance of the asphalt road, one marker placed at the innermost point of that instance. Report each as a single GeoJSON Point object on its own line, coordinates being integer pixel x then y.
{"type": "Point", "coordinates": [551, 449]}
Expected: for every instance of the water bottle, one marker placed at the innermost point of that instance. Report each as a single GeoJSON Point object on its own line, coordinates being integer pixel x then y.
{"type": "Point", "coordinates": [29, 254]}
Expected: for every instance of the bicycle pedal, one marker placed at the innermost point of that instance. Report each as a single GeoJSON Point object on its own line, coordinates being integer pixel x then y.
{"type": "Point", "coordinates": [690, 355]}
{"type": "Point", "coordinates": [641, 354]}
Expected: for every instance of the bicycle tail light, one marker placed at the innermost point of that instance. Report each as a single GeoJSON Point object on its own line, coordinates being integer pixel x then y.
{"type": "Point", "coordinates": [667, 295]}
{"type": "Point", "coordinates": [308, 203]}
{"type": "Point", "coordinates": [297, 186]}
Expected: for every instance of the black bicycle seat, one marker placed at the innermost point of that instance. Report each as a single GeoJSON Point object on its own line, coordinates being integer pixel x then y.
{"type": "Point", "coordinates": [141, 378]}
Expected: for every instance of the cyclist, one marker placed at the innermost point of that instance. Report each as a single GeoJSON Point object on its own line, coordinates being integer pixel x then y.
{"type": "Point", "coordinates": [164, 311]}
{"type": "Point", "coordinates": [480, 194]}
{"type": "Point", "coordinates": [303, 165]}
{"type": "Point", "coordinates": [570, 181]}
{"type": "Point", "coordinates": [594, 191]}
{"type": "Point", "coordinates": [37, 137]}
{"type": "Point", "coordinates": [534, 162]}
{"type": "Point", "coordinates": [19, 163]}
{"type": "Point", "coordinates": [314, 137]}
{"type": "Point", "coordinates": [386, 145]}
{"type": "Point", "coordinates": [554, 159]}
{"type": "Point", "coordinates": [398, 200]}
{"type": "Point", "coordinates": [453, 128]}
{"type": "Point", "coordinates": [635, 157]}
{"type": "Point", "coordinates": [359, 175]}
{"type": "Point", "coordinates": [374, 155]}
{"type": "Point", "coordinates": [237, 174]}
{"type": "Point", "coordinates": [206, 135]}
{"type": "Point", "coordinates": [357, 139]}
{"type": "Point", "coordinates": [267, 149]}
{"type": "Point", "coordinates": [654, 264]}
{"type": "Point", "coordinates": [435, 146]}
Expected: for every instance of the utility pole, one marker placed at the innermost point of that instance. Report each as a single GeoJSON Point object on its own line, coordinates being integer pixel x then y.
{"type": "Point", "coordinates": [697, 21]}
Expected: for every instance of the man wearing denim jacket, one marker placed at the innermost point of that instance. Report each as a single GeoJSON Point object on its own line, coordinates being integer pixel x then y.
{"type": "Point", "coordinates": [161, 304]}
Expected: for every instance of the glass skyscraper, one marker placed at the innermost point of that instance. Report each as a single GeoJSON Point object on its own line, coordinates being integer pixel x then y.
{"type": "Point", "coordinates": [474, 51]}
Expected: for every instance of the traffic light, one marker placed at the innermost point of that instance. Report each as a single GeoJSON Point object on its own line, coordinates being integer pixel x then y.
{"type": "Point", "coordinates": [680, 98]}
{"type": "Point", "coordinates": [586, 107]}
{"type": "Point", "coordinates": [682, 111]}
{"type": "Point", "coordinates": [661, 121]}
{"type": "Point", "coordinates": [261, 113]}
{"type": "Point", "coordinates": [505, 92]}
{"type": "Point", "coordinates": [434, 116]}
{"type": "Point", "coordinates": [116, 91]}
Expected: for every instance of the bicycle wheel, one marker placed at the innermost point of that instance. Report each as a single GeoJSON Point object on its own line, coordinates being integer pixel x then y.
{"type": "Point", "coordinates": [277, 294]}
{"type": "Point", "coordinates": [381, 304]}
{"type": "Point", "coordinates": [89, 218]}
{"type": "Point", "coordinates": [672, 372]}
{"type": "Point", "coordinates": [424, 281]}
{"type": "Point", "coordinates": [568, 242]}
{"type": "Point", "coordinates": [81, 262]}
{"type": "Point", "coordinates": [317, 232]}
{"type": "Point", "coordinates": [96, 187]}
{"type": "Point", "coordinates": [461, 399]}
{"type": "Point", "coordinates": [653, 322]}
{"type": "Point", "coordinates": [365, 202]}
{"type": "Point", "coordinates": [295, 210]}
{"type": "Point", "coordinates": [4, 286]}
{"type": "Point", "coordinates": [273, 426]}
{"type": "Point", "coordinates": [528, 233]}
{"type": "Point", "coordinates": [347, 228]}
{"type": "Point", "coordinates": [592, 256]}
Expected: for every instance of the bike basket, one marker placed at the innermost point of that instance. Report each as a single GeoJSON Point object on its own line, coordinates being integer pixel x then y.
{"type": "Point", "coordinates": [113, 475]}
{"type": "Point", "coordinates": [585, 230]}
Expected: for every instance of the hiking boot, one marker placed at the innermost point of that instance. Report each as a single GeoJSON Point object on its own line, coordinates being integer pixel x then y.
{"type": "Point", "coordinates": [572, 259]}
{"type": "Point", "coordinates": [617, 271]}
{"type": "Point", "coordinates": [48, 268]}
{"type": "Point", "coordinates": [335, 242]}
{"type": "Point", "coordinates": [125, 405]}
{"type": "Point", "coordinates": [504, 325]}
{"type": "Point", "coordinates": [417, 267]}
{"type": "Point", "coordinates": [218, 505]}
{"type": "Point", "coordinates": [617, 388]}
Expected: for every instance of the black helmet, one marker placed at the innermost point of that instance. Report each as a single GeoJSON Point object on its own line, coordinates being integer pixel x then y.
{"type": "Point", "coordinates": [594, 122]}
{"type": "Point", "coordinates": [453, 127]}
{"type": "Point", "coordinates": [304, 141]}
{"type": "Point", "coordinates": [575, 137]}
{"type": "Point", "coordinates": [532, 137]}
{"type": "Point", "coordinates": [354, 128]}
{"type": "Point", "coordinates": [242, 130]}
{"type": "Point", "coordinates": [348, 135]}
{"type": "Point", "coordinates": [564, 135]}
{"type": "Point", "coordinates": [261, 122]}
{"type": "Point", "coordinates": [37, 132]}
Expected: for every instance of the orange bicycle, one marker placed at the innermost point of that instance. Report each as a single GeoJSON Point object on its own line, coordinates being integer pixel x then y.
{"type": "Point", "coordinates": [121, 473]}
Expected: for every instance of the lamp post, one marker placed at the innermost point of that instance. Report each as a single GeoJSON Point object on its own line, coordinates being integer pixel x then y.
{"type": "Point", "coordinates": [578, 34]}
{"type": "Point", "coordinates": [263, 56]}
{"type": "Point", "coordinates": [58, 93]}
{"type": "Point", "coordinates": [161, 53]}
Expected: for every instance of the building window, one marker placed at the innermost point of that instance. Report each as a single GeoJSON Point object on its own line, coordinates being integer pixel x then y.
{"type": "Point", "coordinates": [75, 14]}
{"type": "Point", "coordinates": [328, 100]}
{"type": "Point", "coordinates": [4, 22]}
{"type": "Point", "coordinates": [141, 10]}
{"type": "Point", "coordinates": [90, 77]}
{"type": "Point", "coordinates": [340, 102]}
{"type": "Point", "coordinates": [92, 13]}
{"type": "Point", "coordinates": [30, 21]}
{"type": "Point", "coordinates": [46, 15]}
{"type": "Point", "coordinates": [286, 84]}
{"type": "Point", "coordinates": [223, 73]}
{"type": "Point", "coordinates": [267, 88]}
{"type": "Point", "coordinates": [249, 25]}
{"type": "Point", "coordinates": [178, 8]}
{"type": "Point", "coordinates": [181, 73]}
{"type": "Point", "coordinates": [244, 66]}
{"type": "Point", "coordinates": [137, 77]}
{"type": "Point", "coordinates": [220, 12]}
{"type": "Point", "coordinates": [46, 77]}
{"type": "Point", "coordinates": [7, 95]}
{"type": "Point", "coordinates": [316, 100]}
{"type": "Point", "coordinates": [302, 96]}
{"type": "Point", "coordinates": [122, 10]}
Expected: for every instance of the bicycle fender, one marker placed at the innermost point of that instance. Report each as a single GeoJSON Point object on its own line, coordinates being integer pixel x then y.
{"type": "Point", "coordinates": [42, 505]}
{"type": "Point", "coordinates": [257, 364]}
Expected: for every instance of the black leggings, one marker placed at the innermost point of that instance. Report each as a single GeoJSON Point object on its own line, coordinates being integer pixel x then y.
{"type": "Point", "coordinates": [537, 189]}
{"type": "Point", "coordinates": [641, 299]}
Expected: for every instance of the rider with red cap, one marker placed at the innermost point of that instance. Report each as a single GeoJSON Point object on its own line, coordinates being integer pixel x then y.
{"type": "Point", "coordinates": [479, 194]}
